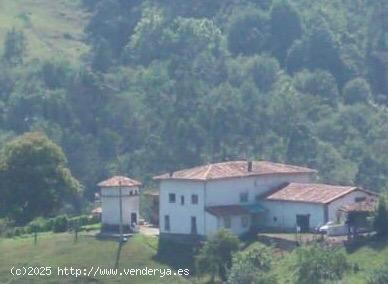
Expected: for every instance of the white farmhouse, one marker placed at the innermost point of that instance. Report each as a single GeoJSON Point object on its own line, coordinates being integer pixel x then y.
{"type": "Point", "coordinates": [243, 196]}
{"type": "Point", "coordinates": [110, 203]}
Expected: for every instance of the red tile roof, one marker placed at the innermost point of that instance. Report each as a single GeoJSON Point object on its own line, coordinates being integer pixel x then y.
{"type": "Point", "coordinates": [117, 181]}
{"type": "Point", "coordinates": [233, 169]}
{"type": "Point", "coordinates": [368, 206]}
{"type": "Point", "coordinates": [227, 210]}
{"type": "Point", "coordinates": [310, 192]}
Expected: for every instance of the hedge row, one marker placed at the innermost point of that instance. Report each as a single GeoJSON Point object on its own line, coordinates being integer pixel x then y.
{"type": "Point", "coordinates": [58, 224]}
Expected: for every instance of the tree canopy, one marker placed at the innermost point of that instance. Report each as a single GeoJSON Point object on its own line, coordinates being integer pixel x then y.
{"type": "Point", "coordinates": [34, 178]}
{"type": "Point", "coordinates": [173, 84]}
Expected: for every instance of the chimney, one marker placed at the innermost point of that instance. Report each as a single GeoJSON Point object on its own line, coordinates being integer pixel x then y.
{"type": "Point", "coordinates": [250, 166]}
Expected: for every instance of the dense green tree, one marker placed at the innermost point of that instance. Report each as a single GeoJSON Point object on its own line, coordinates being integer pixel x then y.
{"type": "Point", "coordinates": [113, 22]}
{"type": "Point", "coordinates": [215, 256]}
{"type": "Point", "coordinates": [286, 27]}
{"type": "Point", "coordinates": [324, 51]}
{"type": "Point", "coordinates": [380, 223]}
{"type": "Point", "coordinates": [249, 33]}
{"type": "Point", "coordinates": [297, 57]}
{"type": "Point", "coordinates": [252, 266]}
{"type": "Point", "coordinates": [356, 91]}
{"type": "Point", "coordinates": [315, 265]}
{"type": "Point", "coordinates": [14, 47]}
{"type": "Point", "coordinates": [170, 84]}
{"type": "Point", "coordinates": [145, 43]}
{"type": "Point", "coordinates": [371, 173]}
{"type": "Point", "coordinates": [318, 83]}
{"type": "Point", "coordinates": [265, 71]}
{"type": "Point", "coordinates": [35, 179]}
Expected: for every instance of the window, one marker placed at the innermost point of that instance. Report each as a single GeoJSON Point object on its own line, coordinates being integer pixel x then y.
{"type": "Point", "coordinates": [194, 199]}
{"type": "Point", "coordinates": [171, 197]}
{"type": "Point", "coordinates": [244, 221]}
{"type": "Point", "coordinates": [244, 197]}
{"type": "Point", "coordinates": [182, 200]}
{"type": "Point", "coordinates": [167, 223]}
{"type": "Point", "coordinates": [227, 222]}
{"type": "Point", "coordinates": [194, 225]}
{"type": "Point", "coordinates": [360, 199]}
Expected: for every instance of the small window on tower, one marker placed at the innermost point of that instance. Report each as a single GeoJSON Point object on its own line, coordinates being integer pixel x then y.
{"type": "Point", "coordinates": [194, 199]}
{"type": "Point", "coordinates": [182, 200]}
{"type": "Point", "coordinates": [171, 197]}
{"type": "Point", "coordinates": [244, 197]}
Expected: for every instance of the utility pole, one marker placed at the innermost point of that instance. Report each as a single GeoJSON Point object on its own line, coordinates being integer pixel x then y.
{"type": "Point", "coordinates": [35, 235]}
{"type": "Point", "coordinates": [121, 212]}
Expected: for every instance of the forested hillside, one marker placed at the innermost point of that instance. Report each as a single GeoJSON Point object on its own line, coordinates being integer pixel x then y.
{"type": "Point", "coordinates": [169, 84]}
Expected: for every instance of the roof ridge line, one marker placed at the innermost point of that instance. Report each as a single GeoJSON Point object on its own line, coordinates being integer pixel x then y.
{"type": "Point", "coordinates": [342, 194]}
{"type": "Point", "coordinates": [208, 171]}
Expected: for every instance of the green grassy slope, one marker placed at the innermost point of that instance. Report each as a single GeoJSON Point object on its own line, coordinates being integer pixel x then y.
{"type": "Point", "coordinates": [368, 258]}
{"type": "Point", "coordinates": [59, 250]}
{"type": "Point", "coordinates": [53, 28]}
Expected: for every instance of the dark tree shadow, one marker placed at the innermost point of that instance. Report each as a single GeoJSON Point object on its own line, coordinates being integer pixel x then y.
{"type": "Point", "coordinates": [177, 255]}
{"type": "Point", "coordinates": [374, 242]}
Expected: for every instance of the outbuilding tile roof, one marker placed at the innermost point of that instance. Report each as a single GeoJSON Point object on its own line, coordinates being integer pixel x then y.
{"type": "Point", "coordinates": [117, 181]}
{"type": "Point", "coordinates": [310, 192]}
{"type": "Point", "coordinates": [233, 169]}
{"type": "Point", "coordinates": [227, 210]}
{"type": "Point", "coordinates": [369, 205]}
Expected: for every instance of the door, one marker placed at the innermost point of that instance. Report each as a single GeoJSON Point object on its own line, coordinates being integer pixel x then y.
{"type": "Point", "coordinates": [303, 222]}
{"type": "Point", "coordinates": [194, 225]}
{"type": "Point", "coordinates": [133, 218]}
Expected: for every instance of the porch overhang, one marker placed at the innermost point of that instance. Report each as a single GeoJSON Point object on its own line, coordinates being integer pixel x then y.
{"type": "Point", "coordinates": [235, 210]}
{"type": "Point", "coordinates": [227, 210]}
{"type": "Point", "coordinates": [255, 208]}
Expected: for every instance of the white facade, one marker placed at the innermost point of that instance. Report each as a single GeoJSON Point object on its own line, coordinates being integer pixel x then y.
{"type": "Point", "coordinates": [282, 215]}
{"type": "Point", "coordinates": [179, 214]}
{"type": "Point", "coordinates": [180, 217]}
{"type": "Point", "coordinates": [110, 204]}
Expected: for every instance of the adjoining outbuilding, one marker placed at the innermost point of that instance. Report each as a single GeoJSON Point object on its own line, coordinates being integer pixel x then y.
{"type": "Point", "coordinates": [309, 205]}
{"type": "Point", "coordinates": [119, 204]}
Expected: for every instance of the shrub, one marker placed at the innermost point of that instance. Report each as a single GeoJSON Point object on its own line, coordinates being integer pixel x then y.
{"type": "Point", "coordinates": [315, 264]}
{"type": "Point", "coordinates": [215, 256]}
{"type": "Point", "coordinates": [252, 266]}
{"type": "Point", "coordinates": [60, 224]}
{"type": "Point", "coordinates": [5, 226]}
{"type": "Point", "coordinates": [380, 275]}
{"type": "Point", "coordinates": [19, 231]}
{"type": "Point", "coordinates": [83, 220]}
{"type": "Point", "coordinates": [40, 225]}
{"type": "Point", "coordinates": [381, 219]}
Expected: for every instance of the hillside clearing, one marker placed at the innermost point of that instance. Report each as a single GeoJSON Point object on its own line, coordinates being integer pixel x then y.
{"type": "Point", "coordinates": [52, 28]}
